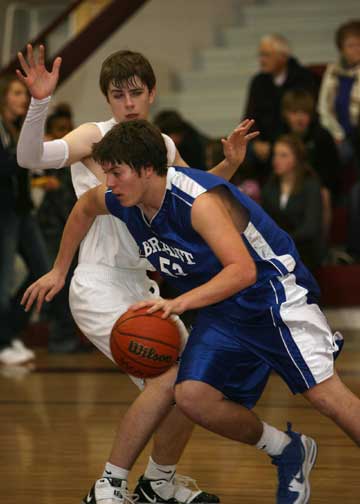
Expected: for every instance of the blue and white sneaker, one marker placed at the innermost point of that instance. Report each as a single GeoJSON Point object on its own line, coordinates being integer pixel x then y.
{"type": "Point", "coordinates": [294, 466]}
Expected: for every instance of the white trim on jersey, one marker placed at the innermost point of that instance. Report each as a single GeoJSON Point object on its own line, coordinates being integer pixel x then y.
{"type": "Point", "coordinates": [263, 249]}
{"type": "Point", "coordinates": [186, 184]}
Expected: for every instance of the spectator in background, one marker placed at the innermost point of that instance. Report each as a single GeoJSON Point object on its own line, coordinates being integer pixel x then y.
{"type": "Point", "coordinates": [292, 197]}
{"type": "Point", "coordinates": [52, 215]}
{"type": "Point", "coordinates": [298, 110]}
{"type": "Point", "coordinates": [280, 72]}
{"type": "Point", "coordinates": [339, 99]}
{"type": "Point", "coordinates": [189, 142]}
{"type": "Point", "coordinates": [19, 231]}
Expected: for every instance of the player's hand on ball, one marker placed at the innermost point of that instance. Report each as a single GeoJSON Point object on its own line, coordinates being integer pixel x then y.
{"type": "Point", "coordinates": [44, 289]}
{"type": "Point", "coordinates": [236, 143]}
{"type": "Point", "coordinates": [169, 306]}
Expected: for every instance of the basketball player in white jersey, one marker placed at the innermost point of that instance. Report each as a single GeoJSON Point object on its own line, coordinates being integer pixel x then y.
{"type": "Point", "coordinates": [110, 275]}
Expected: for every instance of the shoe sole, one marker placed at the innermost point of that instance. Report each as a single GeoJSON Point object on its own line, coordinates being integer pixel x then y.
{"type": "Point", "coordinates": [309, 462]}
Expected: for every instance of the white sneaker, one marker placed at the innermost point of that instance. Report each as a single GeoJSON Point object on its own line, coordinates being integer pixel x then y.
{"type": "Point", "coordinates": [17, 344]}
{"type": "Point", "coordinates": [10, 356]}
{"type": "Point", "coordinates": [109, 491]}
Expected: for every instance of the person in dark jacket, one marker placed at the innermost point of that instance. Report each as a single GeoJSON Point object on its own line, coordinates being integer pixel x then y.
{"type": "Point", "coordinates": [19, 231]}
{"type": "Point", "coordinates": [292, 197]}
{"type": "Point", "coordinates": [280, 72]}
{"type": "Point", "coordinates": [190, 143]}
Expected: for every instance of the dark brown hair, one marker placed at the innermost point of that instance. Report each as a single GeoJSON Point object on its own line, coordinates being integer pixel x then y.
{"type": "Point", "coordinates": [302, 167]}
{"type": "Point", "coordinates": [345, 30]}
{"type": "Point", "coordinates": [122, 67]}
{"type": "Point", "coordinates": [5, 84]}
{"type": "Point", "coordinates": [136, 143]}
{"type": "Point", "coordinates": [298, 100]}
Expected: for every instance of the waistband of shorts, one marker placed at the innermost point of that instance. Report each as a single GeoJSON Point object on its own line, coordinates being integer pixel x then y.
{"type": "Point", "coordinates": [109, 272]}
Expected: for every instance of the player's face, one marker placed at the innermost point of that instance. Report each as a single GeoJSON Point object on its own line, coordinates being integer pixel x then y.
{"type": "Point", "coordinates": [131, 101]}
{"type": "Point", "coordinates": [351, 49]}
{"type": "Point", "coordinates": [125, 183]}
{"type": "Point", "coordinates": [284, 160]}
{"type": "Point", "coordinates": [298, 120]}
{"type": "Point", "coordinates": [271, 59]}
{"type": "Point", "coordinates": [17, 100]}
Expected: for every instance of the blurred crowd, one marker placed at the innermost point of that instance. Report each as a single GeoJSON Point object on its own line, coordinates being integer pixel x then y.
{"type": "Point", "coordinates": [303, 168]}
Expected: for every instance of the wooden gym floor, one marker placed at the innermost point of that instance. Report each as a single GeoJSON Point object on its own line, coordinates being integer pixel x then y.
{"type": "Point", "coordinates": [58, 422]}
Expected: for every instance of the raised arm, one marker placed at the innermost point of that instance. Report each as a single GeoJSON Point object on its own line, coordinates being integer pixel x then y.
{"type": "Point", "coordinates": [235, 146]}
{"type": "Point", "coordinates": [32, 151]}
{"type": "Point", "coordinates": [87, 208]}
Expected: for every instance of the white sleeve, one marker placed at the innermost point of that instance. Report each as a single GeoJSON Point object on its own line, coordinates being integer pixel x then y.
{"type": "Point", "coordinates": [171, 149]}
{"type": "Point", "coordinates": [32, 151]}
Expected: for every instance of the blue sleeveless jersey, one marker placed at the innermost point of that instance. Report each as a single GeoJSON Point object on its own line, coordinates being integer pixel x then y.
{"type": "Point", "coordinates": [179, 253]}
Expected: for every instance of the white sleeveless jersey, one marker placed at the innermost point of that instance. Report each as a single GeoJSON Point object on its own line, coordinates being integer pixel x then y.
{"type": "Point", "coordinates": [108, 241]}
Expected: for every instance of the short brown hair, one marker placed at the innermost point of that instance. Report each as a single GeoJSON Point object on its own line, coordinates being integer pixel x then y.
{"type": "Point", "coordinates": [136, 143]}
{"type": "Point", "coordinates": [123, 67]}
{"type": "Point", "coordinates": [345, 30]}
{"type": "Point", "coordinates": [298, 100]}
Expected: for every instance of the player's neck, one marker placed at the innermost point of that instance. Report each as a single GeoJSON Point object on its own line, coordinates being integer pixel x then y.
{"type": "Point", "coordinates": [154, 196]}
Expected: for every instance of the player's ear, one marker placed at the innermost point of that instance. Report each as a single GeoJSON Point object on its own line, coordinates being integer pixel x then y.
{"type": "Point", "coordinates": [152, 95]}
{"type": "Point", "coordinates": [148, 170]}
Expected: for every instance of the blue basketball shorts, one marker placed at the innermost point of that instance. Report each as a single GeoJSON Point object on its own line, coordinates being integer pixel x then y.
{"type": "Point", "coordinates": [236, 357]}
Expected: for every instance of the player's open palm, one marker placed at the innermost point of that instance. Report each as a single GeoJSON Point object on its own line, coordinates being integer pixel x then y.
{"type": "Point", "coordinates": [37, 79]}
{"type": "Point", "coordinates": [44, 289]}
{"type": "Point", "coordinates": [235, 144]}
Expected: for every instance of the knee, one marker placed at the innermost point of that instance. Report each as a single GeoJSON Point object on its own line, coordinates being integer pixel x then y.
{"type": "Point", "coordinates": [165, 383]}
{"type": "Point", "coordinates": [324, 403]}
{"type": "Point", "coordinates": [193, 399]}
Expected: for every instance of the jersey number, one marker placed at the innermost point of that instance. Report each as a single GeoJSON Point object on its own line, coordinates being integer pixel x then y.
{"type": "Point", "coordinates": [171, 269]}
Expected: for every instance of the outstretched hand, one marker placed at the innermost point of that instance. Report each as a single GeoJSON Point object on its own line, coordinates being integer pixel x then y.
{"type": "Point", "coordinates": [44, 289]}
{"type": "Point", "coordinates": [37, 79]}
{"type": "Point", "coordinates": [235, 144]}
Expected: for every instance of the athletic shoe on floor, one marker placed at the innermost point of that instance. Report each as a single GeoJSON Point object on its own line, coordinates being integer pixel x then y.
{"type": "Point", "coordinates": [11, 356]}
{"type": "Point", "coordinates": [17, 344]}
{"type": "Point", "coordinates": [294, 466]}
{"type": "Point", "coordinates": [109, 491]}
{"type": "Point", "coordinates": [174, 491]}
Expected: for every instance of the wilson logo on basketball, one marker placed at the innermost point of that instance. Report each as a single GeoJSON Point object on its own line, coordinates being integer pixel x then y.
{"type": "Point", "coordinates": [147, 352]}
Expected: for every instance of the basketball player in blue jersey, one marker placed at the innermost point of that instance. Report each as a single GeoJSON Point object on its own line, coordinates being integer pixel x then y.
{"type": "Point", "coordinates": [257, 302]}
{"type": "Point", "coordinates": [128, 83]}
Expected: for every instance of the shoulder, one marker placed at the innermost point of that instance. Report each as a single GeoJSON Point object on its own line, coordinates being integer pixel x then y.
{"type": "Point", "coordinates": [311, 184]}
{"type": "Point", "coordinates": [88, 132]}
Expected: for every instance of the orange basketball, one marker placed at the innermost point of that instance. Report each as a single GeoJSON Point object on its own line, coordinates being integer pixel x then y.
{"type": "Point", "coordinates": [144, 345]}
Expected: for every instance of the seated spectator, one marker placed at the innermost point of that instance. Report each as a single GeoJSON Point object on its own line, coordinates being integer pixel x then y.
{"type": "Point", "coordinates": [298, 110]}
{"type": "Point", "coordinates": [189, 142]}
{"type": "Point", "coordinates": [280, 72]}
{"type": "Point", "coordinates": [292, 197]}
{"type": "Point", "coordinates": [339, 99]}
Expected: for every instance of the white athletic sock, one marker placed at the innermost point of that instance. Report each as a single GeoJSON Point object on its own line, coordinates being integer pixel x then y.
{"type": "Point", "coordinates": [272, 440]}
{"type": "Point", "coordinates": [113, 471]}
{"type": "Point", "coordinates": [156, 471]}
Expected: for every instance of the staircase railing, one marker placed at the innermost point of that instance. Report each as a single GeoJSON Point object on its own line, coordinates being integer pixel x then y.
{"type": "Point", "coordinates": [81, 46]}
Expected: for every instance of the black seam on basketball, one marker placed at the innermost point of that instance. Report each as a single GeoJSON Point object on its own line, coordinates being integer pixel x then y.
{"type": "Point", "coordinates": [149, 339]}
{"type": "Point", "coordinates": [144, 315]}
{"type": "Point", "coordinates": [129, 357]}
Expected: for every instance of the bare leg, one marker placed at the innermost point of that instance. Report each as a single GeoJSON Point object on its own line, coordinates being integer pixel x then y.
{"type": "Point", "coordinates": [333, 399]}
{"type": "Point", "coordinates": [142, 418]}
{"type": "Point", "coordinates": [207, 407]}
{"type": "Point", "coordinates": [171, 438]}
